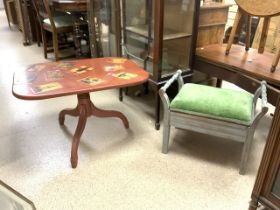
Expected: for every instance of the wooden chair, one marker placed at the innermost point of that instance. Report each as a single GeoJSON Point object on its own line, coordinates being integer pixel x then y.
{"type": "Point", "coordinates": [260, 8]}
{"type": "Point", "coordinates": [225, 113]}
{"type": "Point", "coordinates": [56, 24]}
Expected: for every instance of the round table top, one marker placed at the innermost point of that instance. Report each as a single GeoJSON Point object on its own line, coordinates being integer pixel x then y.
{"type": "Point", "coordinates": [260, 7]}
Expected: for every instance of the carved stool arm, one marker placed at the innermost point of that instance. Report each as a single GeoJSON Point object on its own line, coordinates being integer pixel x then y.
{"type": "Point", "coordinates": [162, 91]}
{"type": "Point", "coordinates": [261, 91]}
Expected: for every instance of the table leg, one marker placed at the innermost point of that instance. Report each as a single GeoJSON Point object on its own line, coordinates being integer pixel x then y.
{"type": "Point", "coordinates": [109, 113]}
{"type": "Point", "coordinates": [76, 139]}
{"type": "Point", "coordinates": [71, 112]}
{"type": "Point", "coordinates": [84, 109]}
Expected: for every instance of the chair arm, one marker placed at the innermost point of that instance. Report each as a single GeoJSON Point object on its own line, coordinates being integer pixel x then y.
{"type": "Point", "coordinates": [162, 91]}
{"type": "Point", "coordinates": [261, 91]}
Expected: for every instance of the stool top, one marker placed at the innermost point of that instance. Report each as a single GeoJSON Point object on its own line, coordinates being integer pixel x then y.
{"type": "Point", "coordinates": [260, 7]}
{"type": "Point", "coordinates": [215, 102]}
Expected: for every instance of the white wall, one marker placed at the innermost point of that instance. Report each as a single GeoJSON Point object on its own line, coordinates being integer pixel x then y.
{"type": "Point", "coordinates": [1, 4]}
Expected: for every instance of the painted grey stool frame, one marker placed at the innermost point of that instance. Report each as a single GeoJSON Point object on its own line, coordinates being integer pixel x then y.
{"type": "Point", "coordinates": [221, 127]}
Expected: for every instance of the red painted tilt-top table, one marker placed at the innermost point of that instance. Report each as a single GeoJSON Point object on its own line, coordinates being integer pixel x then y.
{"type": "Point", "coordinates": [80, 77]}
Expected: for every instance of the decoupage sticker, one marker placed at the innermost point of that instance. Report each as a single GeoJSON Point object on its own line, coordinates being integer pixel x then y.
{"type": "Point", "coordinates": [118, 60]}
{"type": "Point", "coordinates": [125, 75]}
{"type": "Point", "coordinates": [65, 64]}
{"type": "Point", "coordinates": [92, 80]}
{"type": "Point", "coordinates": [54, 75]}
{"type": "Point", "coordinates": [114, 68]}
{"type": "Point", "coordinates": [81, 69]}
{"type": "Point", "coordinates": [47, 87]}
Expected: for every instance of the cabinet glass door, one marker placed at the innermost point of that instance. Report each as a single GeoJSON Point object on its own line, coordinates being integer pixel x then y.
{"type": "Point", "coordinates": [177, 34]}
{"type": "Point", "coordinates": [102, 24]}
{"type": "Point", "coordinates": [138, 22]}
{"type": "Point", "coordinates": [137, 19]}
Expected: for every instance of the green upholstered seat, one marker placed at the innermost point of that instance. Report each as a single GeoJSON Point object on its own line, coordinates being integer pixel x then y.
{"type": "Point", "coordinates": [225, 103]}
{"type": "Point", "coordinates": [61, 21]}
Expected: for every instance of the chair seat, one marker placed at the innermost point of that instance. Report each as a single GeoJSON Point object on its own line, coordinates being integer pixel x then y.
{"type": "Point", "coordinates": [61, 21]}
{"type": "Point", "coordinates": [217, 102]}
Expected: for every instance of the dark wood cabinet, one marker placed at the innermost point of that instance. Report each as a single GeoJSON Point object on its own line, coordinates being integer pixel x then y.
{"type": "Point", "coordinates": [212, 21]}
{"type": "Point", "coordinates": [266, 190]}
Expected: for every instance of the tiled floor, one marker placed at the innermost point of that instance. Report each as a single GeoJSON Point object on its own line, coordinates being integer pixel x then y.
{"type": "Point", "coordinates": [118, 168]}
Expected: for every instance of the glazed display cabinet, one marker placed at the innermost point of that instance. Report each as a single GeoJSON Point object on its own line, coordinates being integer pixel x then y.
{"type": "Point", "coordinates": [266, 190]}
{"type": "Point", "coordinates": [104, 27]}
{"type": "Point", "coordinates": [159, 35]}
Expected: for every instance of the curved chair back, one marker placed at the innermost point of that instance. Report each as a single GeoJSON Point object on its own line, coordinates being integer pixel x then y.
{"type": "Point", "coordinates": [43, 11]}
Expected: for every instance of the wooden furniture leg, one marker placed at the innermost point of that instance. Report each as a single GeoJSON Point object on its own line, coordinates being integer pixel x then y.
{"type": "Point", "coordinates": [253, 205]}
{"type": "Point", "coordinates": [233, 30]}
{"type": "Point", "coordinates": [8, 12]}
{"type": "Point", "coordinates": [84, 109]}
{"type": "Point", "coordinates": [45, 43]}
{"type": "Point", "coordinates": [121, 94]}
{"type": "Point", "coordinates": [109, 113]}
{"type": "Point", "coordinates": [71, 112]}
{"type": "Point", "coordinates": [248, 32]}
{"type": "Point", "coordinates": [219, 83]}
{"type": "Point", "coordinates": [276, 59]}
{"type": "Point", "coordinates": [264, 34]}
{"type": "Point", "coordinates": [79, 130]}
{"type": "Point", "coordinates": [55, 46]}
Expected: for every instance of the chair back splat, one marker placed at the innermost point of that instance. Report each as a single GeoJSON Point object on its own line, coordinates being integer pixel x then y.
{"type": "Point", "coordinates": [56, 23]}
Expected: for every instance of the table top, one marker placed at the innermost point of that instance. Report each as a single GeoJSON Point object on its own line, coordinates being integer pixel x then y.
{"type": "Point", "coordinates": [55, 79]}
{"type": "Point", "coordinates": [70, 5]}
{"type": "Point", "coordinates": [249, 63]}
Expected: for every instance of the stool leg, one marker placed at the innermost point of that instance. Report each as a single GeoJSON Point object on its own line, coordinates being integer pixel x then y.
{"type": "Point", "coordinates": [248, 32]}
{"type": "Point", "coordinates": [166, 134]}
{"type": "Point", "coordinates": [233, 30]}
{"type": "Point", "coordinates": [246, 150]}
{"type": "Point", "coordinates": [264, 34]}
{"type": "Point", "coordinates": [157, 109]}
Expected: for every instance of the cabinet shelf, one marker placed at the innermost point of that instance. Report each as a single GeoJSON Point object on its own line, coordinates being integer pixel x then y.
{"type": "Point", "coordinates": [142, 30]}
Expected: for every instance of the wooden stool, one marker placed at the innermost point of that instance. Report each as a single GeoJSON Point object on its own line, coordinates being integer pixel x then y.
{"type": "Point", "coordinates": [225, 113]}
{"type": "Point", "coordinates": [260, 8]}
